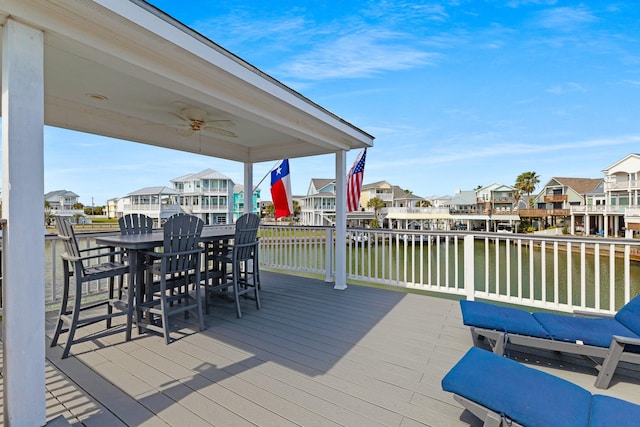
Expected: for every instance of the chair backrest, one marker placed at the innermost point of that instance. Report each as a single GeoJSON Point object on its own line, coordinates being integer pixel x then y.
{"type": "Point", "coordinates": [68, 236]}
{"type": "Point", "coordinates": [65, 230]}
{"type": "Point", "coordinates": [629, 315]}
{"type": "Point", "coordinates": [246, 232]}
{"type": "Point", "coordinates": [135, 224]}
{"type": "Point", "coordinates": [182, 233]}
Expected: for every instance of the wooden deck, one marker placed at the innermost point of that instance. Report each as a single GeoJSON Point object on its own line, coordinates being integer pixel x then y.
{"type": "Point", "coordinates": [313, 356]}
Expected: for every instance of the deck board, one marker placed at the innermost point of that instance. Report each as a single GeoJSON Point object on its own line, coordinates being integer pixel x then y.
{"type": "Point", "coordinates": [312, 356]}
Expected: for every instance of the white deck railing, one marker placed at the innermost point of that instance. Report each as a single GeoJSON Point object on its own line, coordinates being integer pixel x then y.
{"type": "Point", "coordinates": [549, 272]}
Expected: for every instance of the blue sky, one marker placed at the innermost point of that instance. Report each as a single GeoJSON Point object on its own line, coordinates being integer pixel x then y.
{"type": "Point", "coordinates": [457, 93]}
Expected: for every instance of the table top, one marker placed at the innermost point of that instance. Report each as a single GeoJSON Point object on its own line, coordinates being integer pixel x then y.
{"type": "Point", "coordinates": [156, 238]}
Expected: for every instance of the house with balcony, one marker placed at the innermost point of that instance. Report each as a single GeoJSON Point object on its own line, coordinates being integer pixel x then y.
{"type": "Point", "coordinates": [552, 206]}
{"type": "Point", "coordinates": [206, 194]}
{"type": "Point", "coordinates": [615, 211]}
{"type": "Point", "coordinates": [239, 201]}
{"type": "Point", "coordinates": [158, 203]}
{"type": "Point", "coordinates": [64, 203]}
{"type": "Point", "coordinates": [318, 206]}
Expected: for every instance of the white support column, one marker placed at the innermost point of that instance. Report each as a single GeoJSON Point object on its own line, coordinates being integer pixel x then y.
{"type": "Point", "coordinates": [248, 188]}
{"type": "Point", "coordinates": [22, 206]}
{"type": "Point", "coordinates": [469, 267]}
{"type": "Point", "coordinates": [341, 221]}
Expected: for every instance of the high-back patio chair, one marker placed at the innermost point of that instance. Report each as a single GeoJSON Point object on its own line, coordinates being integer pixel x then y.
{"type": "Point", "coordinates": [84, 266]}
{"type": "Point", "coordinates": [169, 276]}
{"type": "Point", "coordinates": [135, 224]}
{"type": "Point", "coordinates": [242, 257]}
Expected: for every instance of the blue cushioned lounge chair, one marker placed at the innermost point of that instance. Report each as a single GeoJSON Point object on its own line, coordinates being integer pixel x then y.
{"type": "Point", "coordinates": [610, 338]}
{"type": "Point", "coordinates": [495, 389]}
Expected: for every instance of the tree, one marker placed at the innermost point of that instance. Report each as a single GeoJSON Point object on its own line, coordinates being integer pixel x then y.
{"type": "Point", "coordinates": [424, 203]}
{"type": "Point", "coordinates": [269, 210]}
{"type": "Point", "coordinates": [526, 182]}
{"type": "Point", "coordinates": [376, 203]}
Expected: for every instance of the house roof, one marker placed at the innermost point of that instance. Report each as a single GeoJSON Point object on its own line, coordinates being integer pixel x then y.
{"type": "Point", "coordinates": [154, 191]}
{"type": "Point", "coordinates": [205, 174]}
{"type": "Point", "coordinates": [320, 183]}
{"type": "Point", "coordinates": [377, 184]}
{"type": "Point", "coordinates": [399, 194]}
{"type": "Point", "coordinates": [463, 198]}
{"type": "Point", "coordinates": [59, 193]}
{"type": "Point", "coordinates": [579, 185]}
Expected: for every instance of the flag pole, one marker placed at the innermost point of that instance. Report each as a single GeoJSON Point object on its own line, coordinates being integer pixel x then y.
{"type": "Point", "coordinates": [265, 176]}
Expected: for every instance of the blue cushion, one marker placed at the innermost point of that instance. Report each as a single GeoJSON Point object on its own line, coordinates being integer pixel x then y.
{"type": "Point", "coordinates": [530, 397]}
{"type": "Point", "coordinates": [609, 411]}
{"type": "Point", "coordinates": [591, 331]}
{"type": "Point", "coordinates": [506, 319]}
{"type": "Point", "coordinates": [629, 315]}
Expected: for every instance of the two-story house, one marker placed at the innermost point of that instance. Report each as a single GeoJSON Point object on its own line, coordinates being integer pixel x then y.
{"type": "Point", "coordinates": [63, 203]}
{"type": "Point", "coordinates": [206, 194]}
{"type": "Point", "coordinates": [158, 203]}
{"type": "Point", "coordinates": [616, 211]}
{"type": "Point", "coordinates": [239, 201]}
{"type": "Point", "coordinates": [552, 205]}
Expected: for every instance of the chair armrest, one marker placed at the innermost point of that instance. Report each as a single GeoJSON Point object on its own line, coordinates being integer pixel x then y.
{"type": "Point", "coordinates": [627, 340]}
{"type": "Point", "coordinates": [68, 257]}
{"type": "Point", "coordinates": [583, 313]}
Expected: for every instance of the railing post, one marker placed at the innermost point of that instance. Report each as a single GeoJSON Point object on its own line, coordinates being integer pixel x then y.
{"type": "Point", "coordinates": [469, 267]}
{"type": "Point", "coordinates": [328, 255]}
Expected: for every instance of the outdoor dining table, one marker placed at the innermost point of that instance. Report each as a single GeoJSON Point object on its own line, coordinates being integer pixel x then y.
{"type": "Point", "coordinates": [136, 244]}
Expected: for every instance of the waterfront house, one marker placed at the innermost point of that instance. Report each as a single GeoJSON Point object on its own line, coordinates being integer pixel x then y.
{"type": "Point", "coordinates": [158, 203]}
{"type": "Point", "coordinates": [64, 203]}
{"type": "Point", "coordinates": [614, 211]}
{"type": "Point", "coordinates": [207, 194]}
{"type": "Point", "coordinates": [552, 206]}
{"type": "Point", "coordinates": [239, 201]}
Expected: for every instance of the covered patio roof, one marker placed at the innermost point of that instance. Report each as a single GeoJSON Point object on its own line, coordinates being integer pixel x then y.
{"type": "Point", "coordinates": [124, 69]}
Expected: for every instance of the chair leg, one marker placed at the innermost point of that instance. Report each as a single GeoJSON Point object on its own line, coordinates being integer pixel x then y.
{"type": "Point", "coordinates": [165, 316]}
{"type": "Point", "coordinates": [609, 364]}
{"type": "Point", "coordinates": [199, 301]}
{"type": "Point", "coordinates": [256, 284]}
{"type": "Point", "coordinates": [74, 318]}
{"type": "Point", "coordinates": [111, 295]}
{"type": "Point", "coordinates": [63, 305]}
{"type": "Point", "coordinates": [236, 288]}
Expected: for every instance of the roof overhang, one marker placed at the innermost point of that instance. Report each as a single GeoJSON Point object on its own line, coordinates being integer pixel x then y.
{"type": "Point", "coordinates": [124, 69]}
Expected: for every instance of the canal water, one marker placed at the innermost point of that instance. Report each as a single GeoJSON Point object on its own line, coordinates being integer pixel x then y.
{"type": "Point", "coordinates": [386, 262]}
{"type": "Point", "coordinates": [541, 271]}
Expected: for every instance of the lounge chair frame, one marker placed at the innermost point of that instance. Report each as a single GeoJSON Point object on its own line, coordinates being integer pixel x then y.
{"type": "Point", "coordinates": [611, 356]}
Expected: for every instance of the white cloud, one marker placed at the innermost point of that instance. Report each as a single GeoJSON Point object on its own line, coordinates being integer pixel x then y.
{"type": "Point", "coordinates": [564, 18]}
{"type": "Point", "coordinates": [566, 88]}
{"type": "Point", "coordinates": [360, 54]}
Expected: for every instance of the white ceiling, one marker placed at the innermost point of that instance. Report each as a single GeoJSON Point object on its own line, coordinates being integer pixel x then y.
{"type": "Point", "coordinates": [149, 67]}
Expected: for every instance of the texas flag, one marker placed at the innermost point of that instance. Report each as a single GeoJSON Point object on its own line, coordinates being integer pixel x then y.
{"type": "Point", "coordinates": [281, 190]}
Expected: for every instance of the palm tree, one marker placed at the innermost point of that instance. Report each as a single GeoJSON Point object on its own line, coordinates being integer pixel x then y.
{"type": "Point", "coordinates": [376, 203]}
{"type": "Point", "coordinates": [526, 182]}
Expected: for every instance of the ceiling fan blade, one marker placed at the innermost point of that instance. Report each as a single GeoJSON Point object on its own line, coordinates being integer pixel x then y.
{"type": "Point", "coordinates": [221, 122]}
{"type": "Point", "coordinates": [222, 132]}
{"type": "Point", "coordinates": [187, 132]}
{"type": "Point", "coordinates": [181, 117]}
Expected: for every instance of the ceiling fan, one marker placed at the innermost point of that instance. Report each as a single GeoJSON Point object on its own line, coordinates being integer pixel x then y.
{"type": "Point", "coordinates": [195, 120]}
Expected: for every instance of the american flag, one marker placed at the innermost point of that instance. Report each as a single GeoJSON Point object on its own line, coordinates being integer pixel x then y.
{"type": "Point", "coordinates": [354, 182]}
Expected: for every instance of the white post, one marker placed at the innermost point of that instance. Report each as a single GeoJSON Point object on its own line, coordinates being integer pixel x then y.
{"type": "Point", "coordinates": [341, 221]}
{"type": "Point", "coordinates": [248, 187]}
{"type": "Point", "coordinates": [469, 267]}
{"type": "Point", "coordinates": [23, 208]}
{"type": "Point", "coordinates": [328, 244]}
